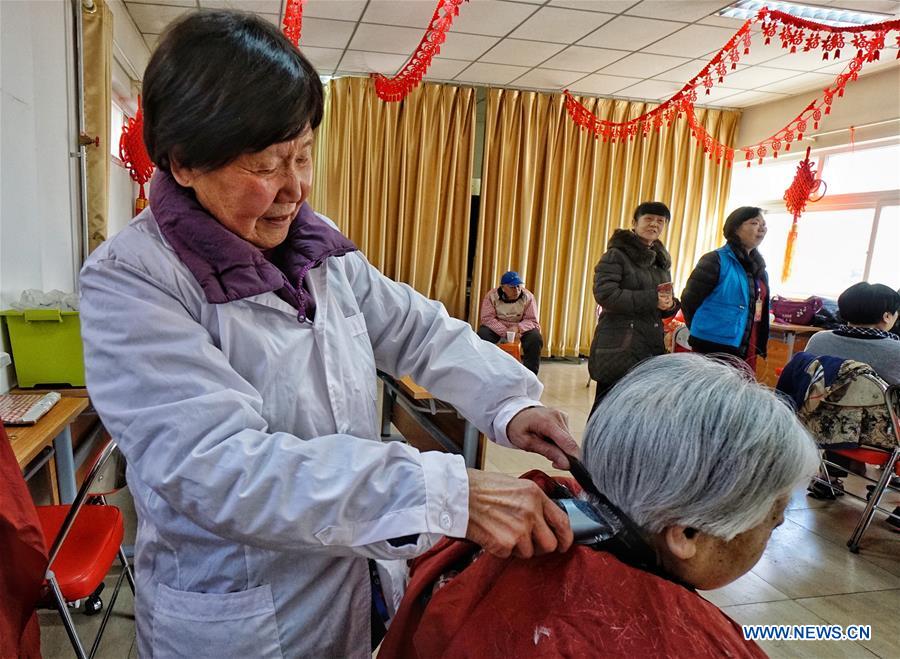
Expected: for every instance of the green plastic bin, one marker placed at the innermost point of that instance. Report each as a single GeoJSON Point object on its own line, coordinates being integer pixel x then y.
{"type": "Point", "coordinates": [46, 347]}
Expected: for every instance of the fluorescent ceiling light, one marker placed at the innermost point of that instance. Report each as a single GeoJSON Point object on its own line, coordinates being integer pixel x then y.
{"type": "Point", "coordinates": [745, 9]}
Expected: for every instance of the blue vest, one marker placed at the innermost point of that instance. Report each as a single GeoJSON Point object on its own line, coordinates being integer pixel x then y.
{"type": "Point", "coordinates": [722, 318]}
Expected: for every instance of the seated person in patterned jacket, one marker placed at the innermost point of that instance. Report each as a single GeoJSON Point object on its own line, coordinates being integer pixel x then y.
{"type": "Point", "coordinates": [869, 311]}
{"type": "Point", "coordinates": [511, 308]}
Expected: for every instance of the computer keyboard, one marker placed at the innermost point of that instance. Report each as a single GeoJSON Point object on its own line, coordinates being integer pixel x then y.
{"type": "Point", "coordinates": [26, 409]}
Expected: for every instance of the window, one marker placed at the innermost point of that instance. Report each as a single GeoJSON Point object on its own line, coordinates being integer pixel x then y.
{"type": "Point", "coordinates": [866, 170]}
{"type": "Point", "coordinates": [850, 235]}
{"type": "Point", "coordinates": [117, 121]}
{"type": "Point", "coordinates": [885, 267]}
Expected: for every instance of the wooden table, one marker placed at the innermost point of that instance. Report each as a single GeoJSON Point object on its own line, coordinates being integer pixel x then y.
{"type": "Point", "coordinates": [65, 392]}
{"type": "Point", "coordinates": [784, 340]}
{"type": "Point", "coordinates": [52, 429]}
{"type": "Point", "coordinates": [790, 332]}
{"type": "Point", "coordinates": [439, 420]}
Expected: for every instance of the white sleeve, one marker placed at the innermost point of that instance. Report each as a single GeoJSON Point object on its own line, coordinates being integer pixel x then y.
{"type": "Point", "coordinates": [412, 335]}
{"type": "Point", "coordinates": [192, 431]}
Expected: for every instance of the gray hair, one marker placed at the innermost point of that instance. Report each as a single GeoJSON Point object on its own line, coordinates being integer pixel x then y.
{"type": "Point", "coordinates": [690, 441]}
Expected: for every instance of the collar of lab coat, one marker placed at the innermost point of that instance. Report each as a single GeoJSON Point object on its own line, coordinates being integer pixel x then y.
{"type": "Point", "coordinates": [228, 267]}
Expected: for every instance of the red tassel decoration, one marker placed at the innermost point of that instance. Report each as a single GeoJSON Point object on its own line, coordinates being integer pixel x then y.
{"type": "Point", "coordinates": [812, 42]}
{"type": "Point", "coordinates": [293, 20]}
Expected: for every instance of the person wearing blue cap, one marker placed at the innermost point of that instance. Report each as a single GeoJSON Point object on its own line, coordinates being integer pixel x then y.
{"type": "Point", "coordinates": [511, 309]}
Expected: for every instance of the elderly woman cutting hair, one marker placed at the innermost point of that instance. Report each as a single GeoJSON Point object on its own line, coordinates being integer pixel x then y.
{"type": "Point", "coordinates": [231, 341]}
{"type": "Point", "coordinates": [687, 499]}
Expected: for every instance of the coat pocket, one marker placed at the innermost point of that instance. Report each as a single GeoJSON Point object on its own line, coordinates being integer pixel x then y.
{"type": "Point", "coordinates": [613, 339]}
{"type": "Point", "coordinates": [359, 333]}
{"type": "Point", "coordinates": [611, 354]}
{"type": "Point", "coordinates": [720, 323]}
{"type": "Point", "coordinates": [215, 625]}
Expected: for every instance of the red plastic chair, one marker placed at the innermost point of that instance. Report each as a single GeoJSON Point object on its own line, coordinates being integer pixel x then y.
{"type": "Point", "coordinates": [85, 539]}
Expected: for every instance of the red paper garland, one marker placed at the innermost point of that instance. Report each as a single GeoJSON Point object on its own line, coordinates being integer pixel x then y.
{"type": "Point", "coordinates": [792, 34]}
{"type": "Point", "coordinates": [133, 154]}
{"type": "Point", "coordinates": [293, 20]}
{"type": "Point", "coordinates": [396, 88]}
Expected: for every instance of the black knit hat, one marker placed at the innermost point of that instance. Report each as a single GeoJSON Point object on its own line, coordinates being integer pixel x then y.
{"type": "Point", "coordinates": [736, 218]}
{"type": "Point", "coordinates": [652, 208]}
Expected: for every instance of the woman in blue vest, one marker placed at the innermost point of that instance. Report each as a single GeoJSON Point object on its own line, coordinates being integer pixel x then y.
{"type": "Point", "coordinates": [726, 300]}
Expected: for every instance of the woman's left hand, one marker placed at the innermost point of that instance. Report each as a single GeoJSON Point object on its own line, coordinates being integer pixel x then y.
{"type": "Point", "coordinates": [544, 431]}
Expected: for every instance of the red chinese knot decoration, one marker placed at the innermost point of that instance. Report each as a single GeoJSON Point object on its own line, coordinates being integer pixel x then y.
{"type": "Point", "coordinates": [804, 188]}
{"type": "Point", "coordinates": [133, 154]}
{"type": "Point", "coordinates": [293, 20]}
{"type": "Point", "coordinates": [396, 88]}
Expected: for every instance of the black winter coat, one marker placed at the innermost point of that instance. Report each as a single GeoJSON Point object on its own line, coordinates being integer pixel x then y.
{"type": "Point", "coordinates": [703, 281]}
{"type": "Point", "coordinates": [630, 326]}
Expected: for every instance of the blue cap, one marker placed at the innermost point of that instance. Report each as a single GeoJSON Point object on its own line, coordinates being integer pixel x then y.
{"type": "Point", "coordinates": [511, 278]}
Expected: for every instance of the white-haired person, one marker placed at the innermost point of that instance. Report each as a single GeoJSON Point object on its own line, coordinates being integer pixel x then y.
{"type": "Point", "coordinates": [685, 500]}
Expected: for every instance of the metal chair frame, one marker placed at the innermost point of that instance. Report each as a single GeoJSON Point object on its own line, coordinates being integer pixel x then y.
{"type": "Point", "coordinates": [892, 401]}
{"type": "Point", "coordinates": [59, 602]}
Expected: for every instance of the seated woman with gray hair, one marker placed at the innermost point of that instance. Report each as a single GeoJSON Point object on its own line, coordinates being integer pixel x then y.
{"type": "Point", "coordinates": [689, 501]}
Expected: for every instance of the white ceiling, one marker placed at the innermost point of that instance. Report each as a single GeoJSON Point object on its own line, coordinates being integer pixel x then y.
{"type": "Point", "coordinates": [640, 49]}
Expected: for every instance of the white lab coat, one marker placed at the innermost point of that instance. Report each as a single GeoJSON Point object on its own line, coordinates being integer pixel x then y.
{"type": "Point", "coordinates": [253, 444]}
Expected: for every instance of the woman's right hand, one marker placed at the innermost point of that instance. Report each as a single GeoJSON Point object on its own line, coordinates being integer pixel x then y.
{"type": "Point", "coordinates": [513, 516]}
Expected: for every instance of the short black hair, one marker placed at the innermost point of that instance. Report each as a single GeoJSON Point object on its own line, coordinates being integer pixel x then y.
{"type": "Point", "coordinates": [736, 218]}
{"type": "Point", "coordinates": [866, 304]}
{"type": "Point", "coordinates": [224, 83]}
{"type": "Point", "coordinates": [652, 208]}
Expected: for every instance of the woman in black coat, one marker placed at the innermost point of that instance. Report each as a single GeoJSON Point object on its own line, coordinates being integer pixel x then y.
{"type": "Point", "coordinates": [628, 286]}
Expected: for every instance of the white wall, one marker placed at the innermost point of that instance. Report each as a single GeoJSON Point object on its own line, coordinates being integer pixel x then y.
{"type": "Point", "coordinates": [39, 234]}
{"type": "Point", "coordinates": [129, 47]}
{"type": "Point", "coordinates": [131, 56]}
{"type": "Point", "coordinates": [122, 190]}
{"type": "Point", "coordinates": [873, 98]}
{"type": "Point", "coordinates": [37, 248]}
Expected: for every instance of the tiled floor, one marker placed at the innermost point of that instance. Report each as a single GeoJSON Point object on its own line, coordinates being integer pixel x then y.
{"type": "Point", "coordinates": [806, 576]}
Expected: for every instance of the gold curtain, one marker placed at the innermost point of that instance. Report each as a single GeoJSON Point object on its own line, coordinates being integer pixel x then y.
{"type": "Point", "coordinates": [396, 178]}
{"type": "Point", "coordinates": [552, 194]}
{"type": "Point", "coordinates": [97, 27]}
